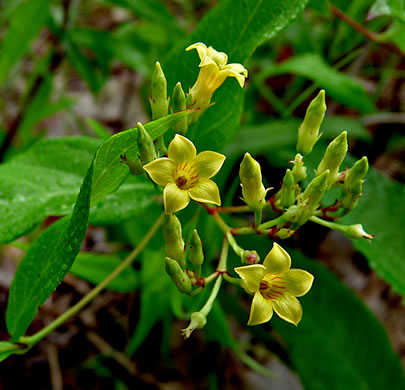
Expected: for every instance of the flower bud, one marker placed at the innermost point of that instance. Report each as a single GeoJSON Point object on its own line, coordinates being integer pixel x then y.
{"type": "Point", "coordinates": [145, 145]}
{"type": "Point", "coordinates": [196, 255]}
{"type": "Point", "coordinates": [250, 257]}
{"type": "Point", "coordinates": [174, 247]}
{"type": "Point", "coordinates": [357, 231]}
{"type": "Point", "coordinates": [308, 132]}
{"type": "Point", "coordinates": [135, 166]}
{"type": "Point", "coordinates": [179, 277]}
{"type": "Point", "coordinates": [287, 191]}
{"type": "Point", "coordinates": [299, 171]}
{"type": "Point", "coordinates": [253, 191]}
{"type": "Point", "coordinates": [179, 104]}
{"type": "Point", "coordinates": [159, 101]}
{"type": "Point", "coordinates": [284, 233]}
{"type": "Point", "coordinates": [310, 199]}
{"type": "Point", "coordinates": [333, 157]}
{"type": "Point", "coordinates": [198, 321]}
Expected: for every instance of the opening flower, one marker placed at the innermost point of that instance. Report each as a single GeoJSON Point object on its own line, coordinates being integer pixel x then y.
{"type": "Point", "coordinates": [186, 175]}
{"type": "Point", "coordinates": [214, 70]}
{"type": "Point", "coordinates": [275, 287]}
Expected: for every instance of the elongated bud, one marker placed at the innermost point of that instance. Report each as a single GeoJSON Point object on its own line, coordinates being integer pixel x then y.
{"type": "Point", "coordinates": [357, 231]}
{"type": "Point", "coordinates": [196, 255]}
{"type": "Point", "coordinates": [287, 192]}
{"type": "Point", "coordinates": [172, 234]}
{"type": "Point", "coordinates": [198, 321]}
{"type": "Point", "coordinates": [299, 171]}
{"type": "Point", "coordinates": [333, 157]}
{"type": "Point", "coordinates": [310, 199]}
{"type": "Point", "coordinates": [145, 145]}
{"type": "Point", "coordinates": [159, 101]}
{"type": "Point", "coordinates": [135, 166]}
{"type": "Point", "coordinates": [353, 184]}
{"type": "Point", "coordinates": [253, 191]}
{"type": "Point", "coordinates": [179, 277]}
{"type": "Point", "coordinates": [179, 104]}
{"type": "Point", "coordinates": [308, 132]}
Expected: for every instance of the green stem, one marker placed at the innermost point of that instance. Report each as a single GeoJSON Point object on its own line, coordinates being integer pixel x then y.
{"type": "Point", "coordinates": [31, 340]}
{"type": "Point", "coordinates": [258, 217]}
{"type": "Point", "coordinates": [273, 222]}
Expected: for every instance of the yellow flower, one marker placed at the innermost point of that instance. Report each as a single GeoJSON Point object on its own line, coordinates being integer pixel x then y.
{"type": "Point", "coordinates": [214, 70]}
{"type": "Point", "coordinates": [275, 287]}
{"type": "Point", "coordinates": [186, 175]}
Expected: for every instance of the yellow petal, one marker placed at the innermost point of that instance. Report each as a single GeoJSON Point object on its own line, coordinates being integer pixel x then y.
{"type": "Point", "coordinates": [174, 198]}
{"type": "Point", "coordinates": [205, 191]}
{"type": "Point", "coordinates": [207, 60]}
{"type": "Point", "coordinates": [277, 260]}
{"type": "Point", "coordinates": [200, 47]}
{"type": "Point", "coordinates": [219, 57]}
{"type": "Point", "coordinates": [288, 308]}
{"type": "Point", "coordinates": [235, 70]}
{"type": "Point", "coordinates": [208, 163]}
{"type": "Point", "coordinates": [161, 170]}
{"type": "Point", "coordinates": [261, 310]}
{"type": "Point", "coordinates": [251, 276]}
{"type": "Point", "coordinates": [298, 282]}
{"type": "Point", "coordinates": [181, 149]}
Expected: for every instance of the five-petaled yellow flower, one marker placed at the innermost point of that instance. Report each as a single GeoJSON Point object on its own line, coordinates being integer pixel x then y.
{"type": "Point", "coordinates": [214, 70]}
{"type": "Point", "coordinates": [186, 175]}
{"type": "Point", "coordinates": [275, 287]}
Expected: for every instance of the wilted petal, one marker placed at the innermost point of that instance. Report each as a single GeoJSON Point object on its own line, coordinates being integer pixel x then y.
{"type": "Point", "coordinates": [251, 276]}
{"type": "Point", "coordinates": [205, 191]}
{"type": "Point", "coordinates": [261, 310]}
{"type": "Point", "coordinates": [161, 170]}
{"type": "Point", "coordinates": [298, 282]}
{"type": "Point", "coordinates": [288, 308]}
{"type": "Point", "coordinates": [174, 198]}
{"type": "Point", "coordinates": [208, 163]}
{"type": "Point", "coordinates": [277, 260]}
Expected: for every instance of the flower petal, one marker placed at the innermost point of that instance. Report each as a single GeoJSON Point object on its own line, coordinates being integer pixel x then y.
{"type": "Point", "coordinates": [261, 310]}
{"type": "Point", "coordinates": [200, 47]}
{"type": "Point", "coordinates": [298, 282]}
{"type": "Point", "coordinates": [208, 163]}
{"type": "Point", "coordinates": [219, 57]}
{"type": "Point", "coordinates": [174, 198]}
{"type": "Point", "coordinates": [277, 260]}
{"type": "Point", "coordinates": [251, 276]}
{"type": "Point", "coordinates": [161, 170]}
{"type": "Point", "coordinates": [288, 308]}
{"type": "Point", "coordinates": [205, 191]}
{"type": "Point", "coordinates": [235, 70]}
{"type": "Point", "coordinates": [181, 149]}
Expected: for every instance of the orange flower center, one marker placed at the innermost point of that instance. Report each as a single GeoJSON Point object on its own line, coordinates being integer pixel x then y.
{"type": "Point", "coordinates": [272, 286]}
{"type": "Point", "coordinates": [185, 176]}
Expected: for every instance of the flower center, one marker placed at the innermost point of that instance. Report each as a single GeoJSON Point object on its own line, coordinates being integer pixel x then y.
{"type": "Point", "coordinates": [185, 176]}
{"type": "Point", "coordinates": [272, 286]}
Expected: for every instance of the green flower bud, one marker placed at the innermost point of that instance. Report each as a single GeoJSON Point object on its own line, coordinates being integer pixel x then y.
{"type": "Point", "coordinates": [333, 157]}
{"type": "Point", "coordinates": [196, 255]}
{"type": "Point", "coordinates": [250, 257]}
{"type": "Point", "coordinates": [288, 190]}
{"type": "Point", "coordinates": [159, 101]}
{"type": "Point", "coordinates": [284, 233]}
{"type": "Point", "coordinates": [145, 145]}
{"type": "Point", "coordinates": [351, 198]}
{"type": "Point", "coordinates": [308, 132]}
{"type": "Point", "coordinates": [179, 277]}
{"type": "Point", "coordinates": [353, 184]}
{"type": "Point", "coordinates": [299, 171]}
{"type": "Point", "coordinates": [357, 231]}
{"type": "Point", "coordinates": [253, 191]}
{"type": "Point", "coordinates": [174, 247]}
{"type": "Point", "coordinates": [198, 321]}
{"type": "Point", "coordinates": [179, 104]}
{"type": "Point", "coordinates": [135, 166]}
{"type": "Point", "coordinates": [310, 199]}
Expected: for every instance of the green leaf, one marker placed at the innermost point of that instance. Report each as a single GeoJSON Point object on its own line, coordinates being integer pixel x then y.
{"type": "Point", "coordinates": [381, 210]}
{"type": "Point", "coordinates": [52, 254]}
{"type": "Point", "coordinates": [156, 289]}
{"type": "Point", "coordinates": [95, 267]}
{"type": "Point", "coordinates": [236, 28]}
{"type": "Point", "coordinates": [339, 86]}
{"type": "Point", "coordinates": [46, 263]}
{"type": "Point", "coordinates": [25, 23]}
{"type": "Point", "coordinates": [339, 344]}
